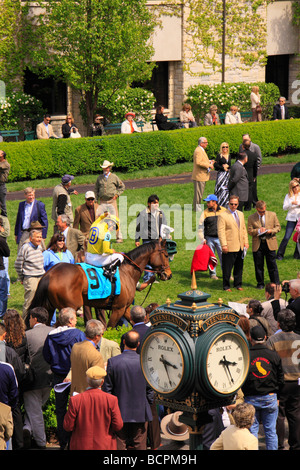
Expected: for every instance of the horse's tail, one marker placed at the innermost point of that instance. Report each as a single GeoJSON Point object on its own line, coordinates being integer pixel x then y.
{"type": "Point", "coordinates": [40, 298]}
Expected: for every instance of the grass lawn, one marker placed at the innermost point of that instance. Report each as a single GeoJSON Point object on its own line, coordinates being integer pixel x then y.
{"type": "Point", "coordinates": [271, 188]}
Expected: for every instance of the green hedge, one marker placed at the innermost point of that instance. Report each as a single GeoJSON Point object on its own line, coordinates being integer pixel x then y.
{"type": "Point", "coordinates": [42, 159]}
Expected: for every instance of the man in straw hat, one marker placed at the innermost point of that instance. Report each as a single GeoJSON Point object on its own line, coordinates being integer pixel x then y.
{"type": "Point", "coordinates": [129, 126]}
{"type": "Point", "coordinates": [93, 416]}
{"type": "Point", "coordinates": [108, 188]}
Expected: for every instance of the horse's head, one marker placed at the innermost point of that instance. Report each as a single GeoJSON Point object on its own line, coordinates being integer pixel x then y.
{"type": "Point", "coordinates": [159, 261]}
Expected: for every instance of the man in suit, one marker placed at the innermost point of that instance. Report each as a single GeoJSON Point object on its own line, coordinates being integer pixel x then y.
{"type": "Point", "coordinates": [262, 227]}
{"type": "Point", "coordinates": [74, 238]}
{"type": "Point", "coordinates": [38, 392]}
{"type": "Point", "coordinates": [44, 130]}
{"type": "Point", "coordinates": [251, 168]}
{"type": "Point", "coordinates": [30, 210]}
{"type": "Point", "coordinates": [85, 355]}
{"type": "Point", "coordinates": [137, 319]}
{"type": "Point", "coordinates": [238, 184]}
{"type": "Point", "coordinates": [255, 148]}
{"type": "Point", "coordinates": [233, 238]}
{"type": "Point", "coordinates": [281, 111]}
{"type": "Point", "coordinates": [126, 381]}
{"type": "Point", "coordinates": [85, 214]}
{"type": "Point", "coordinates": [201, 168]}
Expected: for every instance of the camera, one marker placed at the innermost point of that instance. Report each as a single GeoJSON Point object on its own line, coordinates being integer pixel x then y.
{"type": "Point", "coordinates": [286, 287]}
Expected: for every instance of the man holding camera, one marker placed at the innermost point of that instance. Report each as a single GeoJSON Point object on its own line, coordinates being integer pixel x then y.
{"type": "Point", "coordinates": [4, 172]}
{"type": "Point", "coordinates": [293, 287]}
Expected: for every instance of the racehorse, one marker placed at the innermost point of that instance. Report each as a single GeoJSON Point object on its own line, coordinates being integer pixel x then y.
{"type": "Point", "coordinates": [66, 285]}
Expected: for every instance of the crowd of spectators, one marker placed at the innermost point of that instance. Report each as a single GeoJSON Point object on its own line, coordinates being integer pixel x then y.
{"type": "Point", "coordinates": [88, 371]}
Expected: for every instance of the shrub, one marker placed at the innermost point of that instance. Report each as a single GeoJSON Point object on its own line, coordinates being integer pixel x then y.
{"type": "Point", "coordinates": [137, 100]}
{"type": "Point", "coordinates": [40, 159]}
{"type": "Point", "coordinates": [224, 95]}
{"type": "Point", "coordinates": [19, 110]}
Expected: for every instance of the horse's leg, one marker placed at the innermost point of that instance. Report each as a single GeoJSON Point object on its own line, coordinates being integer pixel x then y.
{"type": "Point", "coordinates": [115, 316]}
{"type": "Point", "coordinates": [127, 314]}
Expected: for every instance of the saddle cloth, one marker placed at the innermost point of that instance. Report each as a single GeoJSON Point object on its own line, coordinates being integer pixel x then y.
{"type": "Point", "coordinates": [99, 286]}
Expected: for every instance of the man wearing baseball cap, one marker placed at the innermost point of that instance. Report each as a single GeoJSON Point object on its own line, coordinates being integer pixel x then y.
{"type": "Point", "coordinates": [208, 231]}
{"type": "Point", "coordinates": [61, 199]}
{"type": "Point", "coordinates": [85, 214]}
{"type": "Point", "coordinates": [108, 188]}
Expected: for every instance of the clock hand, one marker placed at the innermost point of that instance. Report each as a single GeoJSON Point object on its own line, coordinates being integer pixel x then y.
{"type": "Point", "coordinates": [226, 364]}
{"type": "Point", "coordinates": [162, 359]}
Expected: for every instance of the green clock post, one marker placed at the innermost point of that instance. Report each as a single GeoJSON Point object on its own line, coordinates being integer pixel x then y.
{"type": "Point", "coordinates": [195, 357]}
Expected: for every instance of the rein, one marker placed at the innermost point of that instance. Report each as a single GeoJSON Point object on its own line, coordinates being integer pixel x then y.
{"type": "Point", "coordinates": [146, 270]}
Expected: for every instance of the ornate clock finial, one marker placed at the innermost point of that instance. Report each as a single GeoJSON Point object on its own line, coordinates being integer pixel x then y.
{"type": "Point", "coordinates": [220, 301]}
{"type": "Point", "coordinates": [194, 283]}
{"type": "Point", "coordinates": [168, 302]}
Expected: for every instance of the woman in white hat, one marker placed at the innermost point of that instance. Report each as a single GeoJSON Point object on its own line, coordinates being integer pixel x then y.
{"type": "Point", "coordinates": [129, 126]}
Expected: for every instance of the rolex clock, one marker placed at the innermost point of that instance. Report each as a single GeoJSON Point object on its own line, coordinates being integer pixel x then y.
{"type": "Point", "coordinates": [222, 361]}
{"type": "Point", "coordinates": [167, 361]}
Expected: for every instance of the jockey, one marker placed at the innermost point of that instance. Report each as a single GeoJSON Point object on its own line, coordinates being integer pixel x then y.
{"type": "Point", "coordinates": [99, 252]}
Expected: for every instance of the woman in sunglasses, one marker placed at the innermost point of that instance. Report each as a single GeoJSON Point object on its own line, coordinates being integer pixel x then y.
{"type": "Point", "coordinates": [222, 166]}
{"type": "Point", "coordinates": [57, 252]}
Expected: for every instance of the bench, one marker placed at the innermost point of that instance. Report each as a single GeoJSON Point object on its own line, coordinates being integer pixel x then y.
{"type": "Point", "coordinates": [29, 135]}
{"type": "Point", "coordinates": [174, 119]}
{"type": "Point", "coordinates": [12, 133]}
{"type": "Point", "coordinates": [117, 126]}
{"type": "Point", "coordinates": [244, 115]}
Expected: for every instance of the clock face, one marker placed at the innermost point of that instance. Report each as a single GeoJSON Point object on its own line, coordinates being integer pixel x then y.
{"type": "Point", "coordinates": [227, 363]}
{"type": "Point", "coordinates": [162, 362]}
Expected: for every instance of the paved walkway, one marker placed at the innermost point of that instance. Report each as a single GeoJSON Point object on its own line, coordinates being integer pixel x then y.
{"type": "Point", "coordinates": [149, 182]}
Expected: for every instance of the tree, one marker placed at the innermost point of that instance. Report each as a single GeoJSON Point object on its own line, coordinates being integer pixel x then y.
{"type": "Point", "coordinates": [222, 29]}
{"type": "Point", "coordinates": [94, 45]}
{"type": "Point", "coordinates": [14, 41]}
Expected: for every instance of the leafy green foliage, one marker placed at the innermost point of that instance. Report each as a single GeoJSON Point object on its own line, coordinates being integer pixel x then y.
{"type": "Point", "coordinates": [18, 110]}
{"type": "Point", "coordinates": [95, 46]}
{"type": "Point", "coordinates": [40, 159]}
{"type": "Point", "coordinates": [224, 95]}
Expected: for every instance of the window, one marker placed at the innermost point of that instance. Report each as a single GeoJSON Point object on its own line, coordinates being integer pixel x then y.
{"type": "Point", "coordinates": [51, 92]}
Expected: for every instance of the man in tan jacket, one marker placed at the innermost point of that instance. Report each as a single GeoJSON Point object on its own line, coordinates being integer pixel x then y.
{"type": "Point", "coordinates": [263, 226]}
{"type": "Point", "coordinates": [201, 169]}
{"type": "Point", "coordinates": [233, 238]}
{"type": "Point", "coordinates": [44, 130]}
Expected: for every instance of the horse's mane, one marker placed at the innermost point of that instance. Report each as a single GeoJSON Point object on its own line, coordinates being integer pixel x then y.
{"type": "Point", "coordinates": [140, 250]}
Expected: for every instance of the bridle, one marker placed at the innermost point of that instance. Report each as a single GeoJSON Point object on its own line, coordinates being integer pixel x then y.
{"type": "Point", "coordinates": [160, 271]}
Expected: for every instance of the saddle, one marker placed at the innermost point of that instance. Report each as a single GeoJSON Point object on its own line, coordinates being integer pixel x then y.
{"type": "Point", "coordinates": [102, 281]}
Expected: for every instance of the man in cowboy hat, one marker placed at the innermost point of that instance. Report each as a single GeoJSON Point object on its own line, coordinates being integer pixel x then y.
{"type": "Point", "coordinates": [108, 188]}
{"type": "Point", "coordinates": [129, 126]}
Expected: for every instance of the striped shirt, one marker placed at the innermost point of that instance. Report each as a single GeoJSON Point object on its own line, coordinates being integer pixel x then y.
{"type": "Point", "coordinates": [287, 345]}
{"type": "Point", "coordinates": [30, 261]}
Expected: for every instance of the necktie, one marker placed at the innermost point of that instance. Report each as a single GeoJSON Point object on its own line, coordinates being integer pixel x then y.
{"type": "Point", "coordinates": [237, 218]}
{"type": "Point", "coordinates": [282, 112]}
{"type": "Point", "coordinates": [262, 221]}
